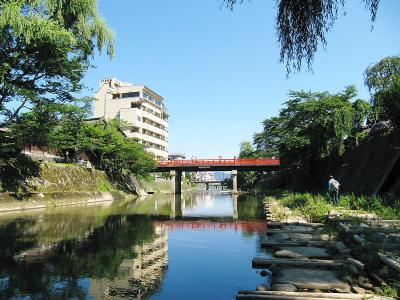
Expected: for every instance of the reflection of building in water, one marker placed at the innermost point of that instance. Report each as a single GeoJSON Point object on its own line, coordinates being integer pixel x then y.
{"type": "Point", "coordinates": [138, 277]}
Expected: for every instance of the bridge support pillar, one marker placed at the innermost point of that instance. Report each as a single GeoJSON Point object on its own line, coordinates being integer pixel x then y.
{"type": "Point", "coordinates": [234, 182]}
{"type": "Point", "coordinates": [177, 179]}
{"type": "Point", "coordinates": [207, 186]}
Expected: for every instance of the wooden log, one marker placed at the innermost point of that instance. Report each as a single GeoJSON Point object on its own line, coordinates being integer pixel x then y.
{"type": "Point", "coordinates": [259, 262]}
{"type": "Point", "coordinates": [389, 262]}
{"type": "Point", "coordinates": [378, 280]}
{"type": "Point", "coordinates": [265, 244]}
{"type": "Point", "coordinates": [384, 245]}
{"type": "Point", "coordinates": [273, 297]}
{"type": "Point", "coordinates": [309, 294]}
{"type": "Point", "coordinates": [385, 221]}
{"type": "Point", "coordinates": [279, 224]}
{"type": "Point", "coordinates": [272, 231]}
{"type": "Point", "coordinates": [356, 263]}
{"type": "Point", "coordinates": [365, 244]}
{"type": "Point", "coordinates": [359, 229]}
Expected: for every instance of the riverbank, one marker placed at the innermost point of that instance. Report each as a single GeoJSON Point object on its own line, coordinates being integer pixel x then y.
{"type": "Point", "coordinates": [27, 184]}
{"type": "Point", "coordinates": [8, 203]}
{"type": "Point", "coordinates": [348, 254]}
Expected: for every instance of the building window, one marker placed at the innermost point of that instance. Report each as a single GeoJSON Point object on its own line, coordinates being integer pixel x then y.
{"type": "Point", "coordinates": [135, 105]}
{"type": "Point", "coordinates": [130, 95]}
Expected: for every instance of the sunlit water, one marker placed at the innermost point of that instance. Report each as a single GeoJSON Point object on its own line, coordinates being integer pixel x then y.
{"type": "Point", "coordinates": [197, 246]}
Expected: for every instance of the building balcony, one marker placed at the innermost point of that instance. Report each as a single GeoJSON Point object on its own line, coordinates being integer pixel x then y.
{"type": "Point", "coordinates": [154, 140]}
{"type": "Point", "coordinates": [155, 119]}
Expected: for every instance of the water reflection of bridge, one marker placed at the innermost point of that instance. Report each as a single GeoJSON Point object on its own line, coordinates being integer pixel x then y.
{"type": "Point", "coordinates": [246, 226]}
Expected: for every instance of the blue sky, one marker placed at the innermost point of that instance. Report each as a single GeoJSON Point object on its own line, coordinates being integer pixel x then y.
{"type": "Point", "coordinates": [219, 70]}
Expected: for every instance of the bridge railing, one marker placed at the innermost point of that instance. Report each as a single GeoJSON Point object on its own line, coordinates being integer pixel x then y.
{"type": "Point", "coordinates": [219, 161]}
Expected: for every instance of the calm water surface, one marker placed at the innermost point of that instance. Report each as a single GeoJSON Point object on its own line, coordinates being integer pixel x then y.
{"type": "Point", "coordinates": [194, 246]}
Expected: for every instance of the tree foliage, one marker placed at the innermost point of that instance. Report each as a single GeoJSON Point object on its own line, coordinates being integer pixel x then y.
{"type": "Point", "coordinates": [62, 127]}
{"type": "Point", "coordinates": [311, 126]}
{"type": "Point", "coordinates": [45, 47]}
{"type": "Point", "coordinates": [64, 137]}
{"type": "Point", "coordinates": [302, 26]}
{"type": "Point", "coordinates": [383, 81]}
{"type": "Point", "coordinates": [247, 179]}
{"type": "Point", "coordinates": [35, 127]}
{"type": "Point", "coordinates": [109, 149]}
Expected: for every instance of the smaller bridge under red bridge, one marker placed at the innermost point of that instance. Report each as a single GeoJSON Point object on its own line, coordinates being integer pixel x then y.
{"type": "Point", "coordinates": [176, 167]}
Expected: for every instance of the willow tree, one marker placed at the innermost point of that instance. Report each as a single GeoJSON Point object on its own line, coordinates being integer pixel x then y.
{"type": "Point", "coordinates": [45, 49]}
{"type": "Point", "coordinates": [302, 26]}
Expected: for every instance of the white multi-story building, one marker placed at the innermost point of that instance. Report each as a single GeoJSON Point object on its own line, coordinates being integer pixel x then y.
{"type": "Point", "coordinates": [141, 111]}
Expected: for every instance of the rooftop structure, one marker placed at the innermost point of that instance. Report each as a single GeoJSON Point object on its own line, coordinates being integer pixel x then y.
{"type": "Point", "coordinates": [141, 111]}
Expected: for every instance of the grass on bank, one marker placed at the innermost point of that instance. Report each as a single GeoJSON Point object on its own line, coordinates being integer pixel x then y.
{"type": "Point", "coordinates": [315, 207]}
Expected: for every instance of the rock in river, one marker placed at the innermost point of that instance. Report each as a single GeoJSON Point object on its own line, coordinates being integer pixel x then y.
{"type": "Point", "coordinates": [283, 287]}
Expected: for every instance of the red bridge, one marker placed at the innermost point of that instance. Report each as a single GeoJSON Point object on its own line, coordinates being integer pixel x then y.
{"type": "Point", "coordinates": [221, 164]}
{"type": "Point", "coordinates": [176, 167]}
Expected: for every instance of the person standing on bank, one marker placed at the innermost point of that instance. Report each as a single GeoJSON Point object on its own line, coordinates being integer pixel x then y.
{"type": "Point", "coordinates": [333, 188]}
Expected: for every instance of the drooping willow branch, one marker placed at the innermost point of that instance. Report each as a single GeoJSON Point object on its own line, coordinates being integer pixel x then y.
{"type": "Point", "coordinates": [302, 26]}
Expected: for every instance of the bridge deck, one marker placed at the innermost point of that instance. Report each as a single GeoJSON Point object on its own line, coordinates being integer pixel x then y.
{"type": "Point", "coordinates": [220, 164]}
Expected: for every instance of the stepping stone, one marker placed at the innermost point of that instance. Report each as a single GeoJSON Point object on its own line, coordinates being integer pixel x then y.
{"type": "Point", "coordinates": [284, 287]}
{"type": "Point", "coordinates": [303, 278]}
{"type": "Point", "coordinates": [262, 287]}
{"type": "Point", "coordinates": [358, 290]}
{"type": "Point", "coordinates": [302, 252]}
{"type": "Point", "coordinates": [297, 228]}
{"type": "Point", "coordinates": [340, 246]}
{"type": "Point", "coordinates": [279, 237]}
{"type": "Point", "coordinates": [323, 237]}
{"type": "Point", "coordinates": [300, 236]}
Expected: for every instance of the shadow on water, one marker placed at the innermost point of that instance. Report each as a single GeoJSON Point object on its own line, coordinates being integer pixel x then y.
{"type": "Point", "coordinates": [120, 250]}
{"type": "Point", "coordinates": [48, 256]}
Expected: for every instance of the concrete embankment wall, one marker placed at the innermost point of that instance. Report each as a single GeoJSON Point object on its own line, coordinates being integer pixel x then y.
{"type": "Point", "coordinates": [368, 169]}
{"type": "Point", "coordinates": [54, 184]}
{"type": "Point", "coordinates": [9, 203]}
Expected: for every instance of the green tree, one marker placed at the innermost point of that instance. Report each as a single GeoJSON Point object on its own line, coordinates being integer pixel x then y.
{"type": "Point", "coordinates": [109, 149]}
{"type": "Point", "coordinates": [246, 179]}
{"type": "Point", "coordinates": [34, 128]}
{"type": "Point", "coordinates": [389, 100]}
{"type": "Point", "coordinates": [246, 150]}
{"type": "Point", "coordinates": [45, 47]}
{"type": "Point", "coordinates": [302, 27]}
{"type": "Point", "coordinates": [382, 79]}
{"type": "Point", "coordinates": [309, 127]}
{"type": "Point", "coordinates": [65, 136]}
{"type": "Point", "coordinates": [267, 142]}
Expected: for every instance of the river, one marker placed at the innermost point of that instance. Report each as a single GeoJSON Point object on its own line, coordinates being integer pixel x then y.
{"type": "Point", "coordinates": [195, 246]}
